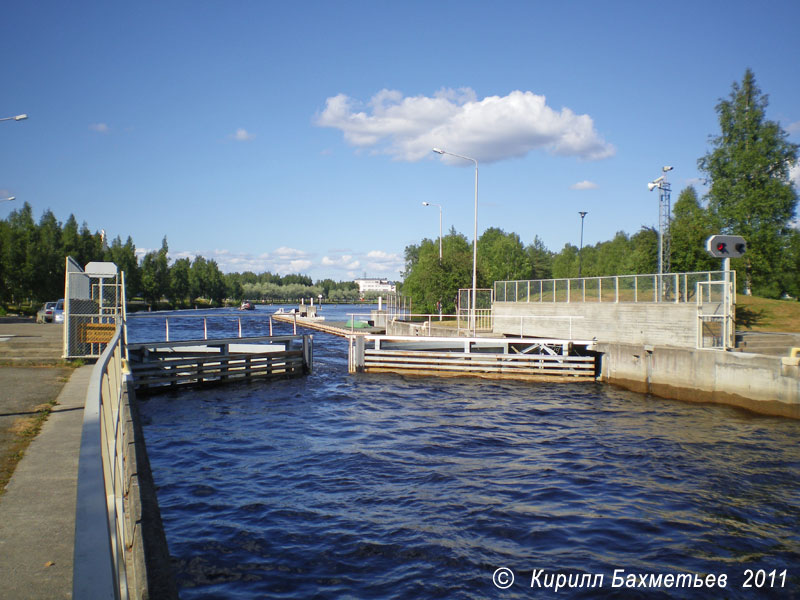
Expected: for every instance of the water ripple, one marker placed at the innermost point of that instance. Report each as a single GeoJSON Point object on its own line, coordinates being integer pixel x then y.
{"type": "Point", "coordinates": [338, 486]}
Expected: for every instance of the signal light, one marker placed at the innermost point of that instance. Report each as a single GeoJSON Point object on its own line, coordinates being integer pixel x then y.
{"type": "Point", "coordinates": [726, 246]}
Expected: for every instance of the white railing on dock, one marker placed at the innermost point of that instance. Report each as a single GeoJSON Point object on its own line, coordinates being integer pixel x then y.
{"type": "Point", "coordinates": [102, 529]}
{"type": "Point", "coordinates": [667, 287]}
{"type": "Point", "coordinates": [513, 358]}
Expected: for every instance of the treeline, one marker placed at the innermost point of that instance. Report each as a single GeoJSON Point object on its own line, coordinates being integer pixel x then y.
{"type": "Point", "coordinates": [750, 194]}
{"type": "Point", "coordinates": [32, 264]}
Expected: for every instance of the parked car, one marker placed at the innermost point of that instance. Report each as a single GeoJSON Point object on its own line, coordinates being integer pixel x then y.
{"type": "Point", "coordinates": [45, 314]}
{"type": "Point", "coordinates": [58, 312]}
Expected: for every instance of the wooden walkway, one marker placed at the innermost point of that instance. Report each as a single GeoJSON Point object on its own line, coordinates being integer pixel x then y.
{"type": "Point", "coordinates": [339, 328]}
{"type": "Point", "coordinates": [162, 366]}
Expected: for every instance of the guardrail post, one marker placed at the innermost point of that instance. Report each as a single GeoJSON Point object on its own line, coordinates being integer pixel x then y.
{"type": "Point", "coordinates": [166, 324]}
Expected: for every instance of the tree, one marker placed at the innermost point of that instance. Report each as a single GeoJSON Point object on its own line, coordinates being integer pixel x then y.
{"type": "Point", "coordinates": [48, 259]}
{"type": "Point", "coordinates": [502, 256]}
{"type": "Point", "coordinates": [179, 281]}
{"type": "Point", "coordinates": [124, 256]}
{"type": "Point", "coordinates": [751, 194]}
{"type": "Point", "coordinates": [691, 225]}
{"type": "Point", "coordinates": [565, 263]}
{"type": "Point", "coordinates": [18, 252]}
{"type": "Point", "coordinates": [540, 259]}
{"type": "Point", "coordinates": [644, 251]}
{"type": "Point", "coordinates": [429, 281]}
{"type": "Point", "coordinates": [155, 274]}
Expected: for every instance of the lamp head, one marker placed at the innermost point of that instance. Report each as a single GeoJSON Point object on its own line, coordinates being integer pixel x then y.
{"type": "Point", "coordinates": [438, 151]}
{"type": "Point", "coordinates": [583, 213]}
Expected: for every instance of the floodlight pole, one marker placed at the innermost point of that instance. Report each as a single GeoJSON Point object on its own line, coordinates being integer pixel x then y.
{"type": "Point", "coordinates": [664, 218]}
{"type": "Point", "coordinates": [474, 240]}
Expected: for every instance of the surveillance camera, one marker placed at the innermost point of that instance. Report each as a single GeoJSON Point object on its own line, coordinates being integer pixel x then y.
{"type": "Point", "coordinates": [651, 185]}
{"type": "Point", "coordinates": [665, 169]}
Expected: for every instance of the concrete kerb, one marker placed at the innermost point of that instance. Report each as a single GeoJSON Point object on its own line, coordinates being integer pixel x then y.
{"type": "Point", "coordinates": [37, 511]}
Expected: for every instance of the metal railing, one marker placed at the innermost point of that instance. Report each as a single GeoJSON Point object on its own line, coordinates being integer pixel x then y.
{"type": "Point", "coordinates": [459, 323]}
{"type": "Point", "coordinates": [667, 287]}
{"type": "Point", "coordinates": [189, 326]}
{"type": "Point", "coordinates": [102, 529]}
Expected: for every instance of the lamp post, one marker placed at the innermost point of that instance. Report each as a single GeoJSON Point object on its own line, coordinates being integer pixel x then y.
{"type": "Point", "coordinates": [582, 213]}
{"type": "Point", "coordinates": [474, 239]}
{"type": "Point", "coordinates": [17, 118]}
{"type": "Point", "coordinates": [440, 226]}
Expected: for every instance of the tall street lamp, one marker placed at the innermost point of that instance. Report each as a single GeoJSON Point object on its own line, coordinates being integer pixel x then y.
{"type": "Point", "coordinates": [582, 213]}
{"type": "Point", "coordinates": [474, 238]}
{"type": "Point", "coordinates": [440, 226]}
{"type": "Point", "coordinates": [17, 118]}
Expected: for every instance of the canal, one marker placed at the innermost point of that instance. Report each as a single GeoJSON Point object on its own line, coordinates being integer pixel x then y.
{"type": "Point", "coordinates": [381, 486]}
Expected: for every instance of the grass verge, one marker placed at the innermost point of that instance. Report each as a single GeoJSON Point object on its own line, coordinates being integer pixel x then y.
{"type": "Point", "coordinates": [24, 430]}
{"type": "Point", "coordinates": [763, 314]}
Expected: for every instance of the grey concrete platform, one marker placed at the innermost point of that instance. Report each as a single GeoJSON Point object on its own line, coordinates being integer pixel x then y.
{"type": "Point", "coordinates": [37, 510]}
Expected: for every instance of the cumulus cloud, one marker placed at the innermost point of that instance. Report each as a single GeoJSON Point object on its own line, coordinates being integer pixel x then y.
{"type": "Point", "coordinates": [584, 185]}
{"type": "Point", "coordinates": [491, 129]}
{"type": "Point", "coordinates": [99, 128]}
{"type": "Point", "coordinates": [242, 135]}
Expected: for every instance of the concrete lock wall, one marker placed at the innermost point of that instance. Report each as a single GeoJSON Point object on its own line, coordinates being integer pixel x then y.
{"type": "Point", "coordinates": [764, 384]}
{"type": "Point", "coordinates": [665, 323]}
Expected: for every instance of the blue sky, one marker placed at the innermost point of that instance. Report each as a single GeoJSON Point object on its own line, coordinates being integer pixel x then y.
{"type": "Point", "coordinates": [295, 137]}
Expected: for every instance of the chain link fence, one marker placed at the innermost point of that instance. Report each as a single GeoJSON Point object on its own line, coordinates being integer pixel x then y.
{"type": "Point", "coordinates": [94, 304]}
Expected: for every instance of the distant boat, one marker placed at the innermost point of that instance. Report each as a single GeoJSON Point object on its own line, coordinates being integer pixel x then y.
{"type": "Point", "coordinates": [247, 305]}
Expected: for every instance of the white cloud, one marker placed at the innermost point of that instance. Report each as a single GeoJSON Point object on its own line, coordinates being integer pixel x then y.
{"type": "Point", "coordinates": [99, 127]}
{"type": "Point", "coordinates": [489, 130]}
{"type": "Point", "coordinates": [794, 175]}
{"type": "Point", "coordinates": [384, 263]}
{"type": "Point", "coordinates": [284, 252]}
{"type": "Point", "coordinates": [343, 262]}
{"type": "Point", "coordinates": [242, 135]}
{"type": "Point", "coordinates": [584, 185]}
{"type": "Point", "coordinates": [286, 260]}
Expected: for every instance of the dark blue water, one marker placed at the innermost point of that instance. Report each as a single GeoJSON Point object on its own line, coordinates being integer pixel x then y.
{"type": "Point", "coordinates": [340, 486]}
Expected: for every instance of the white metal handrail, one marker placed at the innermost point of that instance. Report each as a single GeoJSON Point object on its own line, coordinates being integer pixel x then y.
{"type": "Point", "coordinates": [102, 533]}
{"type": "Point", "coordinates": [666, 287]}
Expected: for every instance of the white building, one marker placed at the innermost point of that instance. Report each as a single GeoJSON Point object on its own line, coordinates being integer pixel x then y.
{"type": "Point", "coordinates": [375, 285]}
